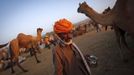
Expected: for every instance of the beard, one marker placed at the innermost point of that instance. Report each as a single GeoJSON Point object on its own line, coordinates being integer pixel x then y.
{"type": "Point", "coordinates": [64, 40]}
{"type": "Point", "coordinates": [68, 42]}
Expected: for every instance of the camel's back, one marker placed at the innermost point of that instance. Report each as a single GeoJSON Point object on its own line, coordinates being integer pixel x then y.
{"type": "Point", "coordinates": [24, 39]}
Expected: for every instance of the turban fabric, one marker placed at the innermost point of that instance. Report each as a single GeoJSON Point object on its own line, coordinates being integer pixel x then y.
{"type": "Point", "coordinates": [63, 26]}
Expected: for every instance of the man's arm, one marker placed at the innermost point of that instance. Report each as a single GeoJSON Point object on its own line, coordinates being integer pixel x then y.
{"type": "Point", "coordinates": [58, 67]}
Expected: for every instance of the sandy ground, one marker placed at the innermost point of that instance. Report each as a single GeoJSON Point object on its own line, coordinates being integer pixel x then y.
{"type": "Point", "coordinates": [102, 44]}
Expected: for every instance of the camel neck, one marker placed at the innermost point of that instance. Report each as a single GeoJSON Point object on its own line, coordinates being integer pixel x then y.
{"type": "Point", "coordinates": [39, 36]}
{"type": "Point", "coordinates": [104, 19]}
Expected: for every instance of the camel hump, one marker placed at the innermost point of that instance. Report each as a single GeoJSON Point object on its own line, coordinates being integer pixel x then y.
{"type": "Point", "coordinates": [14, 41]}
{"type": "Point", "coordinates": [21, 34]}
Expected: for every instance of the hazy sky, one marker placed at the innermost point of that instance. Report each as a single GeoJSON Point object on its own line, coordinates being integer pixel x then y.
{"type": "Point", "coordinates": [26, 15]}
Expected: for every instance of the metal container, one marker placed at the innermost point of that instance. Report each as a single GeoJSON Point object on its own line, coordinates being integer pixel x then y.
{"type": "Point", "coordinates": [91, 60]}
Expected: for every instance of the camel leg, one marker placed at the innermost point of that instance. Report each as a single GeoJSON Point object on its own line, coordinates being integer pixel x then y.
{"type": "Point", "coordinates": [18, 64]}
{"type": "Point", "coordinates": [11, 59]}
{"type": "Point", "coordinates": [12, 64]}
{"type": "Point", "coordinates": [97, 28]}
{"type": "Point", "coordinates": [105, 28]}
{"type": "Point", "coordinates": [123, 40]}
{"type": "Point", "coordinates": [125, 44]}
{"type": "Point", "coordinates": [34, 53]}
{"type": "Point", "coordinates": [38, 49]}
{"type": "Point", "coordinates": [31, 51]}
{"type": "Point", "coordinates": [129, 52]}
{"type": "Point", "coordinates": [118, 38]}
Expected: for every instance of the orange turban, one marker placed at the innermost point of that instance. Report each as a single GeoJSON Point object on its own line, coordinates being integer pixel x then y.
{"type": "Point", "coordinates": [63, 26]}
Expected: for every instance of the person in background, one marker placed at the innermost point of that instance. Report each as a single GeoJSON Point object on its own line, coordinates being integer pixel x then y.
{"type": "Point", "coordinates": [47, 42]}
{"type": "Point", "coordinates": [67, 58]}
{"type": "Point", "coordinates": [52, 39]}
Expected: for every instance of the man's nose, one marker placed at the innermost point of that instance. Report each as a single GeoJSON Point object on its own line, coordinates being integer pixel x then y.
{"type": "Point", "coordinates": [70, 36]}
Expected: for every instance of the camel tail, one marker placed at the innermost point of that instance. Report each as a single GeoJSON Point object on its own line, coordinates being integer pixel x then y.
{"type": "Point", "coordinates": [3, 45]}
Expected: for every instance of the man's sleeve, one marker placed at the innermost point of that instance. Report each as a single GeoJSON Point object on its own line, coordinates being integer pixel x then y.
{"type": "Point", "coordinates": [58, 67]}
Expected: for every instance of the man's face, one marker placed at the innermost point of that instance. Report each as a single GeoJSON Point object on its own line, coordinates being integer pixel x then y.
{"type": "Point", "coordinates": [66, 36]}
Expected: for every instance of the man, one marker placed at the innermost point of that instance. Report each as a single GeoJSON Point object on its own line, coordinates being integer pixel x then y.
{"type": "Point", "coordinates": [47, 42]}
{"type": "Point", "coordinates": [67, 58]}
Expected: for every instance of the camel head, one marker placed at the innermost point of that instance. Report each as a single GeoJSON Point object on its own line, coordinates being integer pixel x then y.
{"type": "Point", "coordinates": [106, 10]}
{"type": "Point", "coordinates": [39, 30]}
{"type": "Point", "coordinates": [39, 36]}
{"type": "Point", "coordinates": [82, 7]}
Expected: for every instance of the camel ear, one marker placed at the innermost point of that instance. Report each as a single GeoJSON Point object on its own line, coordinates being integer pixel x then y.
{"type": "Point", "coordinates": [79, 4]}
{"type": "Point", "coordinates": [84, 2]}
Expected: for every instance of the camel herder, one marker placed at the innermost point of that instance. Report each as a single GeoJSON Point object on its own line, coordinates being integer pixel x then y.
{"type": "Point", "coordinates": [47, 42]}
{"type": "Point", "coordinates": [67, 58]}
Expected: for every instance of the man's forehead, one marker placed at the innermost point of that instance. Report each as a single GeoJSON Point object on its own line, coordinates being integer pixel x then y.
{"type": "Point", "coordinates": [67, 32]}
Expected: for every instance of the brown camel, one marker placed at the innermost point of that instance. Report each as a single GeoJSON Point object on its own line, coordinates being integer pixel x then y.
{"type": "Point", "coordinates": [95, 25]}
{"type": "Point", "coordinates": [121, 17]}
{"type": "Point", "coordinates": [120, 34]}
{"type": "Point", "coordinates": [24, 41]}
{"type": "Point", "coordinates": [80, 30]}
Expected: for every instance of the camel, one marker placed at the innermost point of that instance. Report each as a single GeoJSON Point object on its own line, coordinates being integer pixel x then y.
{"type": "Point", "coordinates": [120, 34]}
{"type": "Point", "coordinates": [95, 25]}
{"type": "Point", "coordinates": [24, 41]}
{"type": "Point", "coordinates": [80, 30]}
{"type": "Point", "coordinates": [121, 17]}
